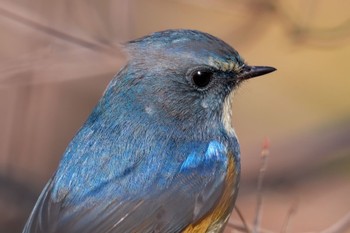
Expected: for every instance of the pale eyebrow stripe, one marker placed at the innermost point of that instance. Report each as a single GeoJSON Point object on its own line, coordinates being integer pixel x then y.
{"type": "Point", "coordinates": [224, 66]}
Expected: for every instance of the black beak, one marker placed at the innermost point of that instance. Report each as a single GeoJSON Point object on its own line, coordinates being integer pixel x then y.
{"type": "Point", "coordinates": [248, 72]}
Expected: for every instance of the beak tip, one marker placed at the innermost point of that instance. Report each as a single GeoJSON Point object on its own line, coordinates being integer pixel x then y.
{"type": "Point", "coordinates": [273, 69]}
{"type": "Point", "coordinates": [255, 71]}
{"type": "Point", "coordinates": [261, 70]}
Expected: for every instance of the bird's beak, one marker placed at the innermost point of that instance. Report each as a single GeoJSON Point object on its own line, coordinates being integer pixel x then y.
{"type": "Point", "coordinates": [248, 72]}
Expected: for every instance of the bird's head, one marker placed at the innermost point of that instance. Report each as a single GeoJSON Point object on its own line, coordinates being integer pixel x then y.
{"type": "Point", "coordinates": [186, 77]}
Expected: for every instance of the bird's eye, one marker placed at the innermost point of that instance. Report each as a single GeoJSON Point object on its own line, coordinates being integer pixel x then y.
{"type": "Point", "coordinates": [202, 78]}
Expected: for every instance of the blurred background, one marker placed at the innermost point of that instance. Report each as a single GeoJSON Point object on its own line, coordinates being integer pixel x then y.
{"type": "Point", "coordinates": [57, 56]}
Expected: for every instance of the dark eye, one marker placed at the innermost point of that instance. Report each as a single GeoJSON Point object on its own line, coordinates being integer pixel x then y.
{"type": "Point", "coordinates": [202, 78]}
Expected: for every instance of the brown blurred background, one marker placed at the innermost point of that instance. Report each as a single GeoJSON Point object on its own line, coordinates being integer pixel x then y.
{"type": "Point", "coordinates": [56, 58]}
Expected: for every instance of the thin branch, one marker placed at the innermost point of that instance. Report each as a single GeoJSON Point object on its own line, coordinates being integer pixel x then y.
{"type": "Point", "coordinates": [242, 228]}
{"type": "Point", "coordinates": [264, 156]}
{"type": "Point", "coordinates": [292, 210]}
{"type": "Point", "coordinates": [240, 215]}
{"type": "Point", "coordinates": [237, 227]}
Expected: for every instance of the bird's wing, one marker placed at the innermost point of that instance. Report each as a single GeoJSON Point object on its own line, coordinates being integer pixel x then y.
{"type": "Point", "coordinates": [181, 190]}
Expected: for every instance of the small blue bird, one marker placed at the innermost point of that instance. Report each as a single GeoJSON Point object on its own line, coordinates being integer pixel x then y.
{"type": "Point", "coordinates": [158, 153]}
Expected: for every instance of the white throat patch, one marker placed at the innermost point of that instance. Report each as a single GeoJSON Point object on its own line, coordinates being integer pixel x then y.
{"type": "Point", "coordinates": [227, 114]}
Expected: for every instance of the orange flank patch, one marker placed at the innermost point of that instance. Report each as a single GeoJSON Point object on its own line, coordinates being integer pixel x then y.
{"type": "Point", "coordinates": [216, 219]}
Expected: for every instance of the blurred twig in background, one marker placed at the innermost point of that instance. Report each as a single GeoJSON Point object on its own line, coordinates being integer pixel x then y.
{"type": "Point", "coordinates": [292, 210]}
{"type": "Point", "coordinates": [264, 159]}
{"type": "Point", "coordinates": [93, 45]}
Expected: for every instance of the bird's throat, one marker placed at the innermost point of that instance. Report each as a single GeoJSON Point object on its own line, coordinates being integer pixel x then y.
{"type": "Point", "coordinates": [226, 117]}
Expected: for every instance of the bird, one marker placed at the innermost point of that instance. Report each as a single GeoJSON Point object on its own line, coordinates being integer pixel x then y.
{"type": "Point", "coordinates": [158, 152]}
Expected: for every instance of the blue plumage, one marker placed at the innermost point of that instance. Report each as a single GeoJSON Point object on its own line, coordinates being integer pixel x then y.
{"type": "Point", "coordinates": [154, 155]}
